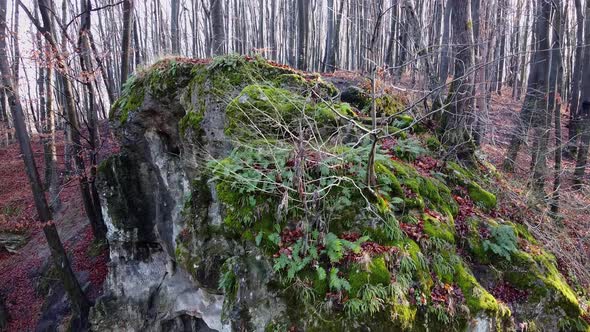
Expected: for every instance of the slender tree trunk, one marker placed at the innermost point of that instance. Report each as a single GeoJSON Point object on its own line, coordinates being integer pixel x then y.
{"type": "Point", "coordinates": [217, 27]}
{"type": "Point", "coordinates": [455, 122]}
{"type": "Point", "coordinates": [174, 30]}
{"type": "Point", "coordinates": [330, 53]}
{"type": "Point", "coordinates": [79, 302]}
{"type": "Point", "coordinates": [99, 227]}
{"type": "Point", "coordinates": [50, 151]}
{"type": "Point", "coordinates": [444, 54]}
{"type": "Point", "coordinates": [554, 107]}
{"type": "Point", "coordinates": [584, 114]}
{"type": "Point", "coordinates": [90, 205]}
{"type": "Point", "coordinates": [126, 43]}
{"type": "Point", "coordinates": [535, 104]}
{"type": "Point", "coordinates": [302, 24]}
{"type": "Point", "coordinates": [576, 77]}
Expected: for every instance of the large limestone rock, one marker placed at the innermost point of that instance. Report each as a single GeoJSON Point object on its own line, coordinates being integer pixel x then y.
{"type": "Point", "coordinates": [206, 217]}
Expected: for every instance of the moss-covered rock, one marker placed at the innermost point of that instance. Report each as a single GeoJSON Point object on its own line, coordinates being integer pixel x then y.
{"type": "Point", "coordinates": [279, 215]}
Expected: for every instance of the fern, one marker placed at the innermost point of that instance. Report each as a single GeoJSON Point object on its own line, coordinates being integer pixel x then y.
{"type": "Point", "coordinates": [502, 241]}
{"type": "Point", "coordinates": [321, 273]}
{"type": "Point", "coordinates": [409, 149]}
{"type": "Point", "coordinates": [441, 266]}
{"type": "Point", "coordinates": [337, 283]}
{"type": "Point", "coordinates": [407, 265]}
{"type": "Point", "coordinates": [334, 247]}
{"type": "Point", "coordinates": [392, 229]}
{"type": "Point", "coordinates": [370, 301]}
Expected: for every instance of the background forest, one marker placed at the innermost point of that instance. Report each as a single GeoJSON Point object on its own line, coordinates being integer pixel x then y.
{"type": "Point", "coordinates": [507, 81]}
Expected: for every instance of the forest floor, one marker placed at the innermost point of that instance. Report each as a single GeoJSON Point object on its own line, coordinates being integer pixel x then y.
{"type": "Point", "coordinates": [27, 287]}
{"type": "Point", "coordinates": [569, 237]}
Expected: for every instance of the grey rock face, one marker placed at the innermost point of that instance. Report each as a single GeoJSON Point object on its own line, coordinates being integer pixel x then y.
{"type": "Point", "coordinates": [144, 193]}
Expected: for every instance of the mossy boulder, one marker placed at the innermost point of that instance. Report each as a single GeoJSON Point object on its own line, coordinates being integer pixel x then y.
{"type": "Point", "coordinates": [236, 170]}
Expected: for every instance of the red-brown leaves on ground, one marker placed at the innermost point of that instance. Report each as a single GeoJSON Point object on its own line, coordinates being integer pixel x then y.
{"type": "Point", "coordinates": [414, 231]}
{"type": "Point", "coordinates": [425, 164]}
{"type": "Point", "coordinates": [508, 294]}
{"type": "Point", "coordinates": [466, 210]}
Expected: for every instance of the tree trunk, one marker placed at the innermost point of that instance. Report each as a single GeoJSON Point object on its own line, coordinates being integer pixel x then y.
{"type": "Point", "coordinates": [49, 149]}
{"type": "Point", "coordinates": [444, 53]}
{"type": "Point", "coordinates": [584, 114]}
{"type": "Point", "coordinates": [534, 107]}
{"type": "Point", "coordinates": [90, 205]}
{"type": "Point", "coordinates": [99, 227]}
{"type": "Point", "coordinates": [174, 31]}
{"type": "Point", "coordinates": [217, 27]}
{"type": "Point", "coordinates": [455, 122]}
{"type": "Point", "coordinates": [330, 53]}
{"type": "Point", "coordinates": [302, 22]}
{"type": "Point", "coordinates": [126, 39]}
{"type": "Point", "coordinates": [79, 302]}
{"type": "Point", "coordinates": [576, 77]}
{"type": "Point", "coordinates": [554, 107]}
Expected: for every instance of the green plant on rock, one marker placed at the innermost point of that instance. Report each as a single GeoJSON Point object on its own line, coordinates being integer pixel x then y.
{"type": "Point", "coordinates": [335, 247]}
{"type": "Point", "coordinates": [370, 300]}
{"type": "Point", "coordinates": [338, 283]}
{"type": "Point", "coordinates": [503, 241]}
{"type": "Point", "coordinates": [409, 149]}
{"type": "Point", "coordinates": [230, 61]}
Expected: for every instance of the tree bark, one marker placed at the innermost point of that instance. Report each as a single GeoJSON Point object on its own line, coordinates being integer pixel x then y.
{"type": "Point", "coordinates": [217, 27]}
{"type": "Point", "coordinates": [535, 104]}
{"type": "Point", "coordinates": [302, 22]}
{"type": "Point", "coordinates": [126, 39]}
{"type": "Point", "coordinates": [174, 30]}
{"type": "Point", "coordinates": [455, 122]}
{"type": "Point", "coordinates": [576, 77]}
{"type": "Point", "coordinates": [444, 54]}
{"type": "Point", "coordinates": [91, 206]}
{"type": "Point", "coordinates": [584, 114]}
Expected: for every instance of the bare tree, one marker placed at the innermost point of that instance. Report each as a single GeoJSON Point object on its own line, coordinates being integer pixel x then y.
{"type": "Point", "coordinates": [79, 302]}
{"type": "Point", "coordinates": [217, 27]}
{"type": "Point", "coordinates": [576, 77]}
{"type": "Point", "coordinates": [455, 122]}
{"type": "Point", "coordinates": [584, 114]}
{"type": "Point", "coordinates": [126, 39]}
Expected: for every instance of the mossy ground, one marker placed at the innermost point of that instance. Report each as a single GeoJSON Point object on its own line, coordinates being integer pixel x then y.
{"type": "Point", "coordinates": [379, 260]}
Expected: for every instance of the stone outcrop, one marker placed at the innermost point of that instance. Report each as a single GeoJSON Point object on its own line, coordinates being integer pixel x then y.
{"type": "Point", "coordinates": [237, 202]}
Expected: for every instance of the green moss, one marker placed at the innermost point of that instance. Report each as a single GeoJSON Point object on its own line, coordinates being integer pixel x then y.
{"type": "Point", "coordinates": [293, 81]}
{"type": "Point", "coordinates": [190, 120]}
{"type": "Point", "coordinates": [477, 298]}
{"type": "Point", "coordinates": [397, 132]}
{"type": "Point", "coordinates": [404, 315]}
{"type": "Point", "coordinates": [386, 105]}
{"type": "Point", "coordinates": [131, 99]}
{"type": "Point", "coordinates": [388, 180]}
{"type": "Point", "coordinates": [437, 229]}
{"type": "Point", "coordinates": [539, 274]}
{"type": "Point", "coordinates": [481, 196]}
{"type": "Point", "coordinates": [433, 144]}
{"type": "Point", "coordinates": [326, 112]}
{"type": "Point", "coordinates": [523, 232]}
{"type": "Point", "coordinates": [374, 273]}
{"type": "Point", "coordinates": [566, 298]}
{"type": "Point", "coordinates": [403, 121]}
{"type": "Point", "coordinates": [262, 105]}
{"type": "Point", "coordinates": [475, 243]}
